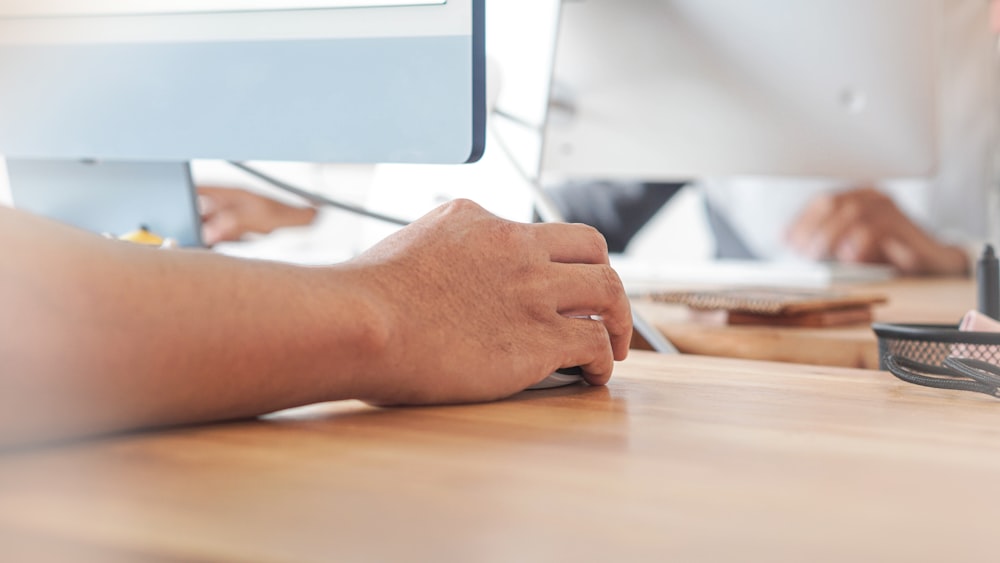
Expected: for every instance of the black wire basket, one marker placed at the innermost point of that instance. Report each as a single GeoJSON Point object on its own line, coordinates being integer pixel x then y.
{"type": "Point", "coordinates": [940, 356]}
{"type": "Point", "coordinates": [933, 344]}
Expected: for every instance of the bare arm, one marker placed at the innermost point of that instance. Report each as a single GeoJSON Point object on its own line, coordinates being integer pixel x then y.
{"type": "Point", "coordinates": [100, 336]}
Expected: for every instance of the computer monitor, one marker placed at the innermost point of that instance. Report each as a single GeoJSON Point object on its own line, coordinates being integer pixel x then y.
{"type": "Point", "coordinates": [679, 89]}
{"type": "Point", "coordinates": [103, 102]}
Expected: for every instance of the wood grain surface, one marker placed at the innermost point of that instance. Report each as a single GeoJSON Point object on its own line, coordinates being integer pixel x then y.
{"type": "Point", "coordinates": [680, 458]}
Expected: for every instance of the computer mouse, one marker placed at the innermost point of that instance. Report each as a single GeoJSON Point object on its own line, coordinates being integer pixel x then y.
{"type": "Point", "coordinates": [560, 378]}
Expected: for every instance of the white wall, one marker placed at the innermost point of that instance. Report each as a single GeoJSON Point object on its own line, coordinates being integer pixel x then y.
{"type": "Point", "coordinates": [4, 184]}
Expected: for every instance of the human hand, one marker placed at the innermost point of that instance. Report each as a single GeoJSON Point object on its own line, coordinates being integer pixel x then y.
{"type": "Point", "coordinates": [477, 308]}
{"type": "Point", "coordinates": [228, 214]}
{"type": "Point", "coordinates": [865, 225]}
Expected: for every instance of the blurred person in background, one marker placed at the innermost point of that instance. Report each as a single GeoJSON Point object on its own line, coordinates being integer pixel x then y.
{"type": "Point", "coordinates": [930, 226]}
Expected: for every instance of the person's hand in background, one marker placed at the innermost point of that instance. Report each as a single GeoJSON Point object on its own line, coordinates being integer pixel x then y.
{"type": "Point", "coordinates": [865, 226]}
{"type": "Point", "coordinates": [229, 214]}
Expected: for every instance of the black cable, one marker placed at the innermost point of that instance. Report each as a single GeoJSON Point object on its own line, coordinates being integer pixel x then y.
{"type": "Point", "coordinates": [517, 119]}
{"type": "Point", "coordinates": [315, 198]}
{"type": "Point", "coordinates": [983, 372]}
{"type": "Point", "coordinates": [545, 206]}
{"type": "Point", "coordinates": [941, 377]}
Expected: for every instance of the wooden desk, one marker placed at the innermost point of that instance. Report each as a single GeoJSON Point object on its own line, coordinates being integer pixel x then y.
{"type": "Point", "coordinates": [910, 301]}
{"type": "Point", "coordinates": [680, 459]}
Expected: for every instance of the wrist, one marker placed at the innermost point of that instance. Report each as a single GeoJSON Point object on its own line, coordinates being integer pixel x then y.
{"type": "Point", "coordinates": [357, 330]}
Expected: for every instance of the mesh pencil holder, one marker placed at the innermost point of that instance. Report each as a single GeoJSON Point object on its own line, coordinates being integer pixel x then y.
{"type": "Point", "coordinates": [933, 344]}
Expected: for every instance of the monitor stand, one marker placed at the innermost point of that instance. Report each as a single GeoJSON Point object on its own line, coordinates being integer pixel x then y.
{"type": "Point", "coordinates": [110, 196]}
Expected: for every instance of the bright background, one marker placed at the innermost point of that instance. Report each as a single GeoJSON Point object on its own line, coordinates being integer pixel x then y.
{"type": "Point", "coordinates": [520, 39]}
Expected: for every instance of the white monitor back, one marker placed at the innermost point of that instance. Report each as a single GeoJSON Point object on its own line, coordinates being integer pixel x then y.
{"type": "Point", "coordinates": [676, 89]}
{"type": "Point", "coordinates": [351, 81]}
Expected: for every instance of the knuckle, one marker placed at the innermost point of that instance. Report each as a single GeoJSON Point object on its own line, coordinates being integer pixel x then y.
{"type": "Point", "coordinates": [618, 328]}
{"type": "Point", "coordinates": [610, 282]}
{"type": "Point", "coordinates": [873, 198]}
{"type": "Point", "coordinates": [599, 340]}
{"type": "Point", "coordinates": [852, 209]}
{"type": "Point", "coordinates": [884, 204]}
{"type": "Point", "coordinates": [593, 238]}
{"type": "Point", "coordinates": [827, 201]}
{"type": "Point", "coordinates": [508, 235]}
{"type": "Point", "coordinates": [864, 234]}
{"type": "Point", "coordinates": [460, 206]}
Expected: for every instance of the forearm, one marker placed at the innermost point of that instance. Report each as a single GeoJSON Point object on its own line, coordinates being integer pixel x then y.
{"type": "Point", "coordinates": [462, 306]}
{"type": "Point", "coordinates": [100, 336]}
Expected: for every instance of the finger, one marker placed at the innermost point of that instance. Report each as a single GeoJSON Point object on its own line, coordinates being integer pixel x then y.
{"type": "Point", "coordinates": [222, 228]}
{"type": "Point", "coordinates": [860, 245]}
{"type": "Point", "coordinates": [802, 230]}
{"type": "Point", "coordinates": [209, 234]}
{"type": "Point", "coordinates": [216, 190]}
{"type": "Point", "coordinates": [211, 197]}
{"type": "Point", "coordinates": [819, 229]}
{"type": "Point", "coordinates": [223, 198]}
{"type": "Point", "coordinates": [585, 290]}
{"type": "Point", "coordinates": [212, 201]}
{"type": "Point", "coordinates": [572, 243]}
{"type": "Point", "coordinates": [901, 255]}
{"type": "Point", "coordinates": [207, 207]}
{"type": "Point", "coordinates": [587, 345]}
{"type": "Point", "coordinates": [830, 233]}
